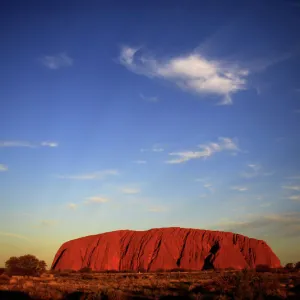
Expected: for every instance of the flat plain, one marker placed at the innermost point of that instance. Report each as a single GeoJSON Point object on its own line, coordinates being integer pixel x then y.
{"type": "Point", "coordinates": [160, 285]}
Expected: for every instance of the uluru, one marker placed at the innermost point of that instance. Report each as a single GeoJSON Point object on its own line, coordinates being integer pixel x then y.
{"type": "Point", "coordinates": [164, 249]}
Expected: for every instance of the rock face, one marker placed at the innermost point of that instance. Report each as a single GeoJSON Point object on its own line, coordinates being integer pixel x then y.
{"type": "Point", "coordinates": [164, 248]}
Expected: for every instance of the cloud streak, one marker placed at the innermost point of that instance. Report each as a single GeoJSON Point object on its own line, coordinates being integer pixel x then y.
{"type": "Point", "coordinates": [291, 187]}
{"type": "Point", "coordinates": [13, 235]}
{"type": "Point", "coordinates": [149, 98]}
{"type": "Point", "coordinates": [240, 188]}
{"type": "Point", "coordinates": [279, 225]}
{"type": "Point", "coordinates": [157, 209]}
{"type": "Point", "coordinates": [140, 162]}
{"type": "Point", "coordinates": [255, 170]}
{"type": "Point", "coordinates": [295, 197]}
{"type": "Point", "coordinates": [91, 176]}
{"type": "Point", "coordinates": [207, 150]}
{"type": "Point", "coordinates": [96, 199]}
{"type": "Point", "coordinates": [26, 144]}
{"type": "Point", "coordinates": [130, 191]}
{"type": "Point", "coordinates": [154, 148]}
{"type": "Point", "coordinates": [192, 72]}
{"type": "Point", "coordinates": [55, 62]}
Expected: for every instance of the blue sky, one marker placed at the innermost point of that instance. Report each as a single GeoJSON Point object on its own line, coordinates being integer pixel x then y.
{"type": "Point", "coordinates": [133, 115]}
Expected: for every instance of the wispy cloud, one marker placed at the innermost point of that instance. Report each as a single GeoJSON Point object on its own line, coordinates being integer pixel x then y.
{"type": "Point", "coordinates": [55, 62]}
{"type": "Point", "coordinates": [91, 176]}
{"type": "Point", "coordinates": [255, 170]}
{"type": "Point", "coordinates": [296, 111]}
{"type": "Point", "coordinates": [296, 177]}
{"type": "Point", "coordinates": [209, 186]}
{"type": "Point", "coordinates": [192, 72]}
{"type": "Point", "coordinates": [96, 199]}
{"type": "Point", "coordinates": [140, 162]}
{"type": "Point", "coordinates": [72, 206]}
{"type": "Point", "coordinates": [294, 197]}
{"type": "Point", "coordinates": [157, 209]}
{"type": "Point", "coordinates": [130, 191]}
{"type": "Point", "coordinates": [49, 144]}
{"type": "Point", "coordinates": [13, 235]}
{"type": "Point", "coordinates": [291, 187]}
{"type": "Point", "coordinates": [239, 188]}
{"type": "Point", "coordinates": [3, 168]}
{"type": "Point", "coordinates": [279, 225]}
{"type": "Point", "coordinates": [149, 98]}
{"type": "Point", "coordinates": [27, 144]}
{"type": "Point", "coordinates": [207, 150]}
{"type": "Point", "coordinates": [154, 148]}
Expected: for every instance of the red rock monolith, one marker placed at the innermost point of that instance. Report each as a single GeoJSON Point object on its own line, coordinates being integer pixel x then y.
{"type": "Point", "coordinates": [166, 249]}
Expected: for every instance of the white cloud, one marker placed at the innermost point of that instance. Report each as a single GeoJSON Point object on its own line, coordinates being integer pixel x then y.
{"type": "Point", "coordinates": [3, 168]}
{"type": "Point", "coordinates": [27, 144]}
{"type": "Point", "coordinates": [202, 196]}
{"type": "Point", "coordinates": [91, 176]}
{"type": "Point", "coordinates": [130, 191]}
{"type": "Point", "coordinates": [192, 72]}
{"type": "Point", "coordinates": [225, 144]}
{"type": "Point", "coordinates": [13, 235]}
{"type": "Point", "coordinates": [291, 187]}
{"type": "Point", "coordinates": [49, 144]}
{"type": "Point", "coordinates": [58, 61]}
{"type": "Point", "coordinates": [96, 199]}
{"type": "Point", "coordinates": [149, 98]}
{"type": "Point", "coordinates": [72, 206]}
{"type": "Point", "coordinates": [140, 162]}
{"type": "Point", "coordinates": [295, 197]}
{"type": "Point", "coordinates": [239, 188]}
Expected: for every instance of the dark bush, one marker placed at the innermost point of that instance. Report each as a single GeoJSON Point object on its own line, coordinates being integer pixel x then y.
{"type": "Point", "coordinates": [85, 270]}
{"type": "Point", "coordinates": [2, 270]}
{"type": "Point", "coordinates": [25, 265]}
{"type": "Point", "coordinates": [262, 268]}
{"type": "Point", "coordinates": [297, 265]}
{"type": "Point", "coordinates": [289, 266]}
{"type": "Point", "coordinates": [4, 278]}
